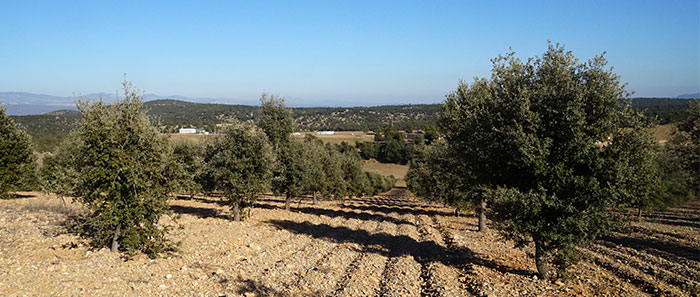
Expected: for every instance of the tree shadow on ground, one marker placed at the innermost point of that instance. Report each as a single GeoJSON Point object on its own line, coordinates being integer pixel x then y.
{"type": "Point", "coordinates": [683, 251]}
{"type": "Point", "coordinates": [399, 210]}
{"type": "Point", "coordinates": [201, 212]}
{"type": "Point", "coordinates": [681, 223]}
{"type": "Point", "coordinates": [396, 245]}
{"type": "Point", "coordinates": [254, 286]}
{"type": "Point", "coordinates": [215, 200]}
{"type": "Point", "coordinates": [690, 217]}
{"type": "Point", "coordinates": [18, 196]}
{"type": "Point", "coordinates": [339, 213]}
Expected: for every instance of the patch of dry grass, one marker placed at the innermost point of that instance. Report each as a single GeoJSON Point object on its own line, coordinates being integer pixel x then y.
{"type": "Point", "coordinates": [340, 136]}
{"type": "Point", "coordinates": [662, 132]}
{"type": "Point", "coordinates": [198, 138]}
{"type": "Point", "coordinates": [398, 171]}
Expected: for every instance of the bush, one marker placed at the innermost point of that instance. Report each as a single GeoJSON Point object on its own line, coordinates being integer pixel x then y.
{"type": "Point", "coordinates": [17, 160]}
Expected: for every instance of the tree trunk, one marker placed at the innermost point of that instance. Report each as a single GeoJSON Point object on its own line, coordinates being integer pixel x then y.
{"type": "Point", "coordinates": [639, 214]}
{"type": "Point", "coordinates": [482, 216]}
{"type": "Point", "coordinates": [541, 260]}
{"type": "Point", "coordinates": [236, 211]}
{"type": "Point", "coordinates": [314, 197]}
{"type": "Point", "coordinates": [115, 239]}
{"type": "Point", "coordinates": [287, 203]}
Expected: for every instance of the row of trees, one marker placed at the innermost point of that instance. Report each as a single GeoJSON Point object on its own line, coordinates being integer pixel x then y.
{"type": "Point", "coordinates": [123, 169]}
{"type": "Point", "coordinates": [545, 149]}
{"type": "Point", "coordinates": [391, 145]}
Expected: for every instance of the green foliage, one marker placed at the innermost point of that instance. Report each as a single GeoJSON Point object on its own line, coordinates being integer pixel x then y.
{"type": "Point", "coordinates": [432, 133]}
{"type": "Point", "coordinates": [17, 160]}
{"type": "Point", "coordinates": [368, 149]}
{"type": "Point", "coordinates": [675, 178]}
{"type": "Point", "coordinates": [187, 166]}
{"type": "Point", "coordinates": [120, 160]}
{"type": "Point", "coordinates": [377, 183]}
{"type": "Point", "coordinates": [533, 137]}
{"type": "Point", "coordinates": [275, 119]}
{"type": "Point", "coordinates": [685, 143]}
{"type": "Point", "coordinates": [346, 148]}
{"type": "Point", "coordinates": [332, 183]}
{"type": "Point", "coordinates": [433, 176]}
{"type": "Point", "coordinates": [353, 174]}
{"type": "Point", "coordinates": [392, 151]}
{"type": "Point", "coordinates": [392, 147]}
{"type": "Point", "coordinates": [662, 110]}
{"type": "Point", "coordinates": [293, 179]}
{"type": "Point", "coordinates": [240, 164]}
{"type": "Point", "coordinates": [636, 168]}
{"type": "Point", "coordinates": [59, 169]}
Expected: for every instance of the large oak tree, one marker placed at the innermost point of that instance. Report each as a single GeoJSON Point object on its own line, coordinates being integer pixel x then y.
{"type": "Point", "coordinates": [551, 145]}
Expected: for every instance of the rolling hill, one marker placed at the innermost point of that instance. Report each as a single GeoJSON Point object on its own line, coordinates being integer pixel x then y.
{"type": "Point", "coordinates": [174, 114]}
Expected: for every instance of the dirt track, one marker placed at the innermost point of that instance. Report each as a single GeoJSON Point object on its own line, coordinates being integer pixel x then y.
{"type": "Point", "coordinates": [388, 245]}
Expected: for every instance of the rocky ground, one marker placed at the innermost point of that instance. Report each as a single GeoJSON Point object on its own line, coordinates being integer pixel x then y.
{"type": "Point", "coordinates": [388, 245]}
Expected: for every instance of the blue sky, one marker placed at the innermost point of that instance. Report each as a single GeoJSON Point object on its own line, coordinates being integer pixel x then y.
{"type": "Point", "coordinates": [320, 53]}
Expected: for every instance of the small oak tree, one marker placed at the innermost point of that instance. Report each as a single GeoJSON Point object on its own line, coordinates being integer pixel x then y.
{"type": "Point", "coordinates": [58, 171]}
{"type": "Point", "coordinates": [17, 161]}
{"type": "Point", "coordinates": [332, 182]}
{"type": "Point", "coordinates": [120, 163]}
{"type": "Point", "coordinates": [275, 119]}
{"type": "Point", "coordinates": [433, 176]}
{"type": "Point", "coordinates": [240, 163]}
{"type": "Point", "coordinates": [187, 165]}
{"type": "Point", "coordinates": [685, 143]}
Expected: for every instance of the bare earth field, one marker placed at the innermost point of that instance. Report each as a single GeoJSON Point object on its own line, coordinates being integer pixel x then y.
{"type": "Point", "coordinates": [387, 245]}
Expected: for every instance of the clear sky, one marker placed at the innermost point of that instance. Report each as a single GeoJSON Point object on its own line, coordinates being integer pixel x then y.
{"type": "Point", "coordinates": [320, 53]}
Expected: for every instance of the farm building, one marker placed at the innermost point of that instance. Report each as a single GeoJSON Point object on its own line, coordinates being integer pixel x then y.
{"type": "Point", "coordinates": [325, 132]}
{"type": "Point", "coordinates": [192, 131]}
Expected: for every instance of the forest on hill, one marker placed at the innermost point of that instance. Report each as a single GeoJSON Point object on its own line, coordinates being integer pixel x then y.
{"type": "Point", "coordinates": [47, 129]}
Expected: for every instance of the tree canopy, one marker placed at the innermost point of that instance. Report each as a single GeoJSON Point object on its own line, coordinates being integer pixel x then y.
{"type": "Point", "coordinates": [120, 163]}
{"type": "Point", "coordinates": [551, 144]}
{"type": "Point", "coordinates": [17, 161]}
{"type": "Point", "coordinates": [240, 164]}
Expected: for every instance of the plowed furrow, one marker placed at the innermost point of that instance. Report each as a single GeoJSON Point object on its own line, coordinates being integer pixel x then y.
{"type": "Point", "coordinates": [647, 256]}
{"type": "Point", "coordinates": [669, 277]}
{"type": "Point", "coordinates": [347, 284]}
{"type": "Point", "coordinates": [637, 278]}
{"type": "Point", "coordinates": [685, 255]}
{"type": "Point", "coordinates": [427, 256]}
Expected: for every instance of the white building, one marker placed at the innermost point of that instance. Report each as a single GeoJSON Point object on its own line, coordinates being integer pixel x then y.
{"type": "Point", "coordinates": [192, 131]}
{"type": "Point", "coordinates": [325, 132]}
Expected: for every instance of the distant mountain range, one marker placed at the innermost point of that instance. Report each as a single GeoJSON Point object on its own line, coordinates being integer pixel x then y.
{"type": "Point", "coordinates": [22, 103]}
{"type": "Point", "coordinates": [689, 96]}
